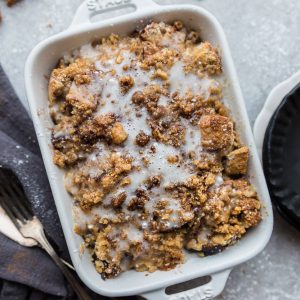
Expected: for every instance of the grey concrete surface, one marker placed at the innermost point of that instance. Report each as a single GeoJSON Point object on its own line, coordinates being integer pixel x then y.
{"type": "Point", "coordinates": [264, 37]}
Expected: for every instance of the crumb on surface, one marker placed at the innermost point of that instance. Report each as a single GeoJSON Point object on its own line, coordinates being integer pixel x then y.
{"type": "Point", "coordinates": [11, 2]}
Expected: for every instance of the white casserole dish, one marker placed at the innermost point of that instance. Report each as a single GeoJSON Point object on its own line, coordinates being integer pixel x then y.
{"type": "Point", "coordinates": [43, 59]}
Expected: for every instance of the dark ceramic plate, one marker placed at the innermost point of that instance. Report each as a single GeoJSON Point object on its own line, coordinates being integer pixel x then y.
{"type": "Point", "coordinates": [281, 157]}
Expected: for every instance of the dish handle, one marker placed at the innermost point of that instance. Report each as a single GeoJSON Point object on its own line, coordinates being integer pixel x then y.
{"type": "Point", "coordinates": [204, 292]}
{"type": "Point", "coordinates": [90, 8]}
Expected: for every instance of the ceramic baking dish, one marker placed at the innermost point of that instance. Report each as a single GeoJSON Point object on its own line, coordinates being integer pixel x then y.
{"type": "Point", "coordinates": [44, 57]}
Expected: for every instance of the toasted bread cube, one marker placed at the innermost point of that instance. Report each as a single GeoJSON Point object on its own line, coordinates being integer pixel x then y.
{"type": "Point", "coordinates": [81, 98]}
{"type": "Point", "coordinates": [118, 133]}
{"type": "Point", "coordinates": [217, 133]}
{"type": "Point", "coordinates": [237, 161]}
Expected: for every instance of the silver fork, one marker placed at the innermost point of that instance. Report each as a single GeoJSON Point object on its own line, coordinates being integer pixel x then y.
{"type": "Point", "coordinates": [13, 201]}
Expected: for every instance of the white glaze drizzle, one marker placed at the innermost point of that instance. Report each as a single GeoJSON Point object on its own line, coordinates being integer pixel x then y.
{"type": "Point", "coordinates": [113, 101]}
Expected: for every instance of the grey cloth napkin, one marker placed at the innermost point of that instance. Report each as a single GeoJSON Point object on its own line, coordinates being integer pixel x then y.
{"type": "Point", "coordinates": [28, 273]}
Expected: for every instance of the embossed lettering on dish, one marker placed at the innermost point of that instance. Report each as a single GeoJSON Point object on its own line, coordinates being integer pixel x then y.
{"type": "Point", "coordinates": [203, 293]}
{"type": "Point", "coordinates": [96, 5]}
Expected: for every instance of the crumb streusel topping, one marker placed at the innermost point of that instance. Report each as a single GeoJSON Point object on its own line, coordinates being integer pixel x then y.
{"type": "Point", "coordinates": [150, 152]}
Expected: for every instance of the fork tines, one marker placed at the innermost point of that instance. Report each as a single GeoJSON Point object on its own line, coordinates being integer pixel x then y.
{"type": "Point", "coordinates": [13, 199]}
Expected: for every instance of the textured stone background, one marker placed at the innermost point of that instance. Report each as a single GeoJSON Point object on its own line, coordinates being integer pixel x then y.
{"type": "Point", "coordinates": [265, 41]}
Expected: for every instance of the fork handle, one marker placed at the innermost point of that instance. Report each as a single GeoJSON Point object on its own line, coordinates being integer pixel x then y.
{"type": "Point", "coordinates": [77, 287]}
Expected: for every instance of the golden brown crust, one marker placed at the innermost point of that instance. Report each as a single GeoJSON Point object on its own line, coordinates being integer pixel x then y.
{"type": "Point", "coordinates": [237, 161]}
{"type": "Point", "coordinates": [203, 58]}
{"type": "Point", "coordinates": [96, 178]}
{"type": "Point", "coordinates": [228, 213]}
{"type": "Point", "coordinates": [164, 254]}
{"type": "Point", "coordinates": [61, 78]}
{"type": "Point", "coordinates": [217, 133]}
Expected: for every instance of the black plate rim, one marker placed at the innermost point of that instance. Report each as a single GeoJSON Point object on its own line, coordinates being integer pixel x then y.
{"type": "Point", "coordinates": [286, 213]}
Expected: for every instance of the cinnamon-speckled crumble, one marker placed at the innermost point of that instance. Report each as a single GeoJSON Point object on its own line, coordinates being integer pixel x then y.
{"type": "Point", "coordinates": [151, 154]}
